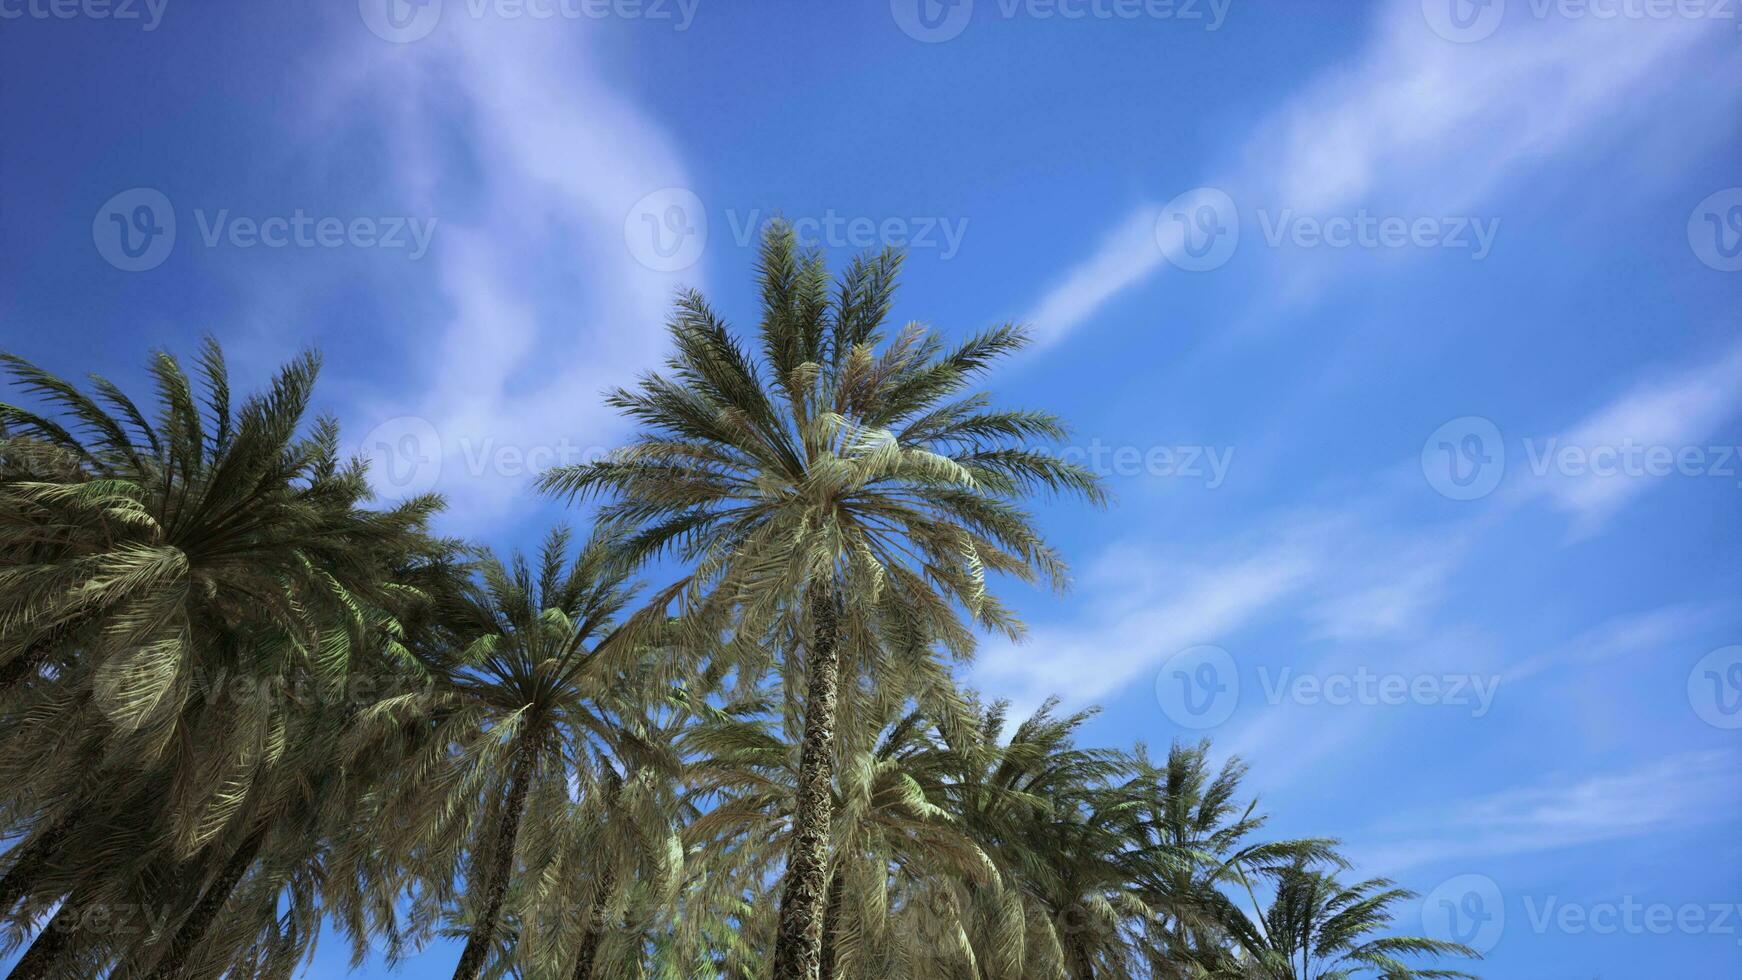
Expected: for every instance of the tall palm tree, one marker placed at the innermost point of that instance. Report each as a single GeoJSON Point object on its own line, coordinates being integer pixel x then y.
{"type": "Point", "coordinates": [523, 700]}
{"type": "Point", "coordinates": [152, 557]}
{"type": "Point", "coordinates": [1193, 857]}
{"type": "Point", "coordinates": [840, 473]}
{"type": "Point", "coordinates": [1319, 929]}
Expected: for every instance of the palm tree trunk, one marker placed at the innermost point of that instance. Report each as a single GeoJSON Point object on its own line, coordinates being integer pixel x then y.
{"type": "Point", "coordinates": [45, 951]}
{"type": "Point", "coordinates": [199, 922]}
{"type": "Point", "coordinates": [831, 922]}
{"type": "Point", "coordinates": [798, 946]}
{"type": "Point", "coordinates": [596, 925]}
{"type": "Point", "coordinates": [31, 858]}
{"type": "Point", "coordinates": [501, 864]}
{"type": "Point", "coordinates": [1082, 964]}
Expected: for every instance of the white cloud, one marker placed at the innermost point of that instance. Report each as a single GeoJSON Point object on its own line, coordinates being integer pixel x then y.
{"type": "Point", "coordinates": [1648, 634]}
{"type": "Point", "coordinates": [1666, 793]}
{"type": "Point", "coordinates": [1670, 414]}
{"type": "Point", "coordinates": [1426, 126]}
{"type": "Point", "coordinates": [532, 164]}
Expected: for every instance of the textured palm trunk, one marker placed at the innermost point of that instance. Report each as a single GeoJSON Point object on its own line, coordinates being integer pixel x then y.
{"type": "Point", "coordinates": [501, 867]}
{"type": "Point", "coordinates": [798, 946]}
{"type": "Point", "coordinates": [1082, 964]}
{"type": "Point", "coordinates": [831, 922]}
{"type": "Point", "coordinates": [32, 857]}
{"type": "Point", "coordinates": [199, 922]}
{"type": "Point", "coordinates": [45, 951]}
{"type": "Point", "coordinates": [596, 925]}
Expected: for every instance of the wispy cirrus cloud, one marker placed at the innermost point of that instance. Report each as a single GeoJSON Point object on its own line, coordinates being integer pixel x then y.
{"type": "Point", "coordinates": [1670, 415]}
{"type": "Point", "coordinates": [1428, 126]}
{"type": "Point", "coordinates": [533, 162]}
{"type": "Point", "coordinates": [1559, 811]}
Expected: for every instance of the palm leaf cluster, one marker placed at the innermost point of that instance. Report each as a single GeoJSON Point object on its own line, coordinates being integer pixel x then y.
{"type": "Point", "coordinates": [242, 703]}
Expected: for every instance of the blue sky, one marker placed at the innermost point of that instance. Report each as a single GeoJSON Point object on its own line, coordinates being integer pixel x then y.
{"type": "Point", "coordinates": [1405, 333]}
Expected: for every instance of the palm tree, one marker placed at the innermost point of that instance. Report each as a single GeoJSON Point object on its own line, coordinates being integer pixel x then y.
{"type": "Point", "coordinates": [840, 474]}
{"type": "Point", "coordinates": [523, 701]}
{"type": "Point", "coordinates": [155, 556]}
{"type": "Point", "coordinates": [1191, 847]}
{"type": "Point", "coordinates": [1319, 929]}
